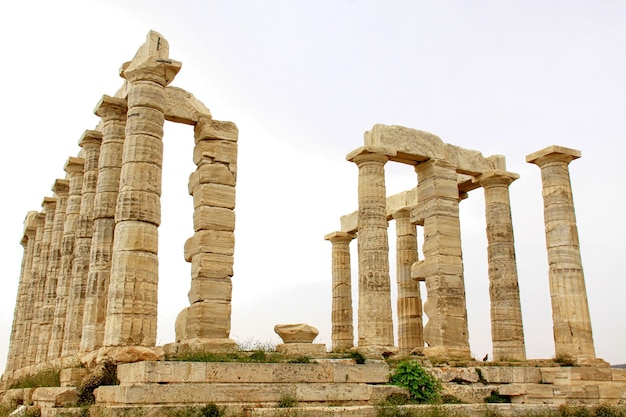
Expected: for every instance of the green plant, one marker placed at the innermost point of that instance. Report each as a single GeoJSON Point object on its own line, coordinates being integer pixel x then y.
{"type": "Point", "coordinates": [496, 398]}
{"type": "Point", "coordinates": [450, 399]}
{"type": "Point", "coordinates": [301, 359]}
{"type": "Point", "coordinates": [565, 359]}
{"type": "Point", "coordinates": [358, 357]}
{"type": "Point", "coordinates": [287, 400]}
{"type": "Point", "coordinates": [6, 409]}
{"type": "Point", "coordinates": [422, 386]}
{"type": "Point", "coordinates": [49, 377]}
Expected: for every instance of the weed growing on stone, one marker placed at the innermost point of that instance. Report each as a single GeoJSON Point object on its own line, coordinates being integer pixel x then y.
{"type": "Point", "coordinates": [47, 378]}
{"type": "Point", "coordinates": [422, 386]}
{"type": "Point", "coordinates": [564, 359]}
{"type": "Point", "coordinates": [287, 400]}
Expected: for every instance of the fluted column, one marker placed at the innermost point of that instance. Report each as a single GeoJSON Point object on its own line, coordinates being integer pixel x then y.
{"type": "Point", "coordinates": [507, 331]}
{"type": "Point", "coordinates": [342, 334]}
{"type": "Point", "coordinates": [39, 287]}
{"type": "Point", "coordinates": [446, 332]}
{"type": "Point", "coordinates": [113, 113]}
{"type": "Point", "coordinates": [90, 142]}
{"type": "Point", "coordinates": [375, 326]}
{"type": "Point", "coordinates": [409, 304]}
{"type": "Point", "coordinates": [205, 324]}
{"type": "Point", "coordinates": [18, 331]}
{"type": "Point", "coordinates": [46, 314]}
{"type": "Point", "coordinates": [74, 167]}
{"type": "Point", "coordinates": [131, 315]}
{"type": "Point", "coordinates": [29, 348]}
{"type": "Point", "coordinates": [570, 311]}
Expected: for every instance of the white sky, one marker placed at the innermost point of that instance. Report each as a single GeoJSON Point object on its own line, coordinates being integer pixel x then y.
{"type": "Point", "coordinates": [303, 81]}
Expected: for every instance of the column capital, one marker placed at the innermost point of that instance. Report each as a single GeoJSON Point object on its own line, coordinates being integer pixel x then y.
{"type": "Point", "coordinates": [30, 222]}
{"type": "Point", "coordinates": [49, 203]}
{"type": "Point", "coordinates": [368, 153]}
{"type": "Point", "coordinates": [111, 108]}
{"type": "Point", "coordinates": [150, 68]}
{"type": "Point", "coordinates": [553, 153]}
{"type": "Point", "coordinates": [401, 213]}
{"type": "Point", "coordinates": [90, 137]}
{"type": "Point", "coordinates": [74, 165]}
{"type": "Point", "coordinates": [339, 237]}
{"type": "Point", "coordinates": [61, 187]}
{"type": "Point", "coordinates": [496, 178]}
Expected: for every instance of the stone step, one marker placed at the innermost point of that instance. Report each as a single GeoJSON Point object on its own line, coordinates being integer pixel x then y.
{"type": "Point", "coordinates": [236, 372]}
{"type": "Point", "coordinates": [246, 393]}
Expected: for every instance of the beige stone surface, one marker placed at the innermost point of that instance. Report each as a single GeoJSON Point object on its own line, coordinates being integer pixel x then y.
{"type": "Point", "coordinates": [570, 310]}
{"type": "Point", "coordinates": [375, 327]}
{"type": "Point", "coordinates": [302, 349]}
{"type": "Point", "coordinates": [507, 331]}
{"type": "Point", "coordinates": [296, 333]}
{"type": "Point", "coordinates": [55, 396]}
{"type": "Point", "coordinates": [182, 107]}
{"type": "Point", "coordinates": [342, 333]}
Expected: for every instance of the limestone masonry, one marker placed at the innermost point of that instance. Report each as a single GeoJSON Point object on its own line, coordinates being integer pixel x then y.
{"type": "Point", "coordinates": [87, 291]}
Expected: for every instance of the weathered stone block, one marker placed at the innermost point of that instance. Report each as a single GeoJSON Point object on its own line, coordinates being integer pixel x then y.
{"type": "Point", "coordinates": [210, 241]}
{"type": "Point", "coordinates": [296, 333]}
{"type": "Point", "coordinates": [55, 396]}
{"type": "Point", "coordinates": [138, 205]}
{"type": "Point", "coordinates": [207, 151]}
{"type": "Point", "coordinates": [70, 377]}
{"type": "Point", "coordinates": [143, 148]}
{"type": "Point", "coordinates": [213, 218]}
{"type": "Point", "coordinates": [302, 349]}
{"type": "Point", "coordinates": [144, 176]}
{"type": "Point", "coordinates": [214, 195]}
{"type": "Point", "coordinates": [210, 289]}
{"type": "Point", "coordinates": [215, 129]}
{"type": "Point", "coordinates": [139, 236]}
{"type": "Point", "coordinates": [216, 173]}
{"type": "Point", "coordinates": [211, 265]}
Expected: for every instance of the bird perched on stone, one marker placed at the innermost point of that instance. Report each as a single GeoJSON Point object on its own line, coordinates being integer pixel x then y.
{"type": "Point", "coordinates": [486, 358]}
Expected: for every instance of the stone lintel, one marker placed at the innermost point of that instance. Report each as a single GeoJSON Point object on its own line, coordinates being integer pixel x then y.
{"type": "Point", "coordinates": [367, 150]}
{"type": "Point", "coordinates": [339, 235]}
{"type": "Point", "coordinates": [498, 161]}
{"type": "Point", "coordinates": [107, 103]}
{"type": "Point", "coordinates": [90, 137]}
{"type": "Point", "coordinates": [553, 150]}
{"type": "Point", "coordinates": [74, 164]}
{"type": "Point", "coordinates": [61, 187]}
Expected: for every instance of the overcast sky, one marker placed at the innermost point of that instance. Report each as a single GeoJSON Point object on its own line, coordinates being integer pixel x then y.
{"type": "Point", "coordinates": [303, 81]}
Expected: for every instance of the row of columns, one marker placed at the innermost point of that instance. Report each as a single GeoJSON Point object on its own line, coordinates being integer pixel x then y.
{"type": "Point", "coordinates": [90, 268]}
{"type": "Point", "coordinates": [437, 211]}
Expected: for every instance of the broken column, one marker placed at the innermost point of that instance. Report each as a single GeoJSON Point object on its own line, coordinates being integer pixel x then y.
{"type": "Point", "coordinates": [570, 312]}
{"type": "Point", "coordinates": [90, 142]}
{"type": "Point", "coordinates": [74, 167]}
{"type": "Point", "coordinates": [507, 332]}
{"type": "Point", "coordinates": [113, 113]}
{"type": "Point", "coordinates": [131, 314]}
{"type": "Point", "coordinates": [375, 326]}
{"type": "Point", "coordinates": [409, 304]}
{"type": "Point", "coordinates": [205, 324]}
{"type": "Point", "coordinates": [446, 332]}
{"type": "Point", "coordinates": [342, 333]}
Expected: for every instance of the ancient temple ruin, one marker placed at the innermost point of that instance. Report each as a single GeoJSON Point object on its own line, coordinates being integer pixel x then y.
{"type": "Point", "coordinates": [87, 292]}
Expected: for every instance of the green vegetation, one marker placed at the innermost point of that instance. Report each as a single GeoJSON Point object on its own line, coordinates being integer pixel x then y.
{"type": "Point", "coordinates": [390, 410]}
{"type": "Point", "coordinates": [496, 398]}
{"type": "Point", "coordinates": [257, 356]}
{"type": "Point", "coordinates": [208, 410]}
{"type": "Point", "coordinates": [287, 400]}
{"type": "Point", "coordinates": [31, 411]}
{"type": "Point", "coordinates": [358, 357]}
{"type": "Point", "coordinates": [564, 359]}
{"type": "Point", "coordinates": [422, 386]}
{"type": "Point", "coordinates": [47, 378]}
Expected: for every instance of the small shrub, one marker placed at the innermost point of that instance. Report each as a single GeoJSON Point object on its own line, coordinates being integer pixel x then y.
{"type": "Point", "coordinates": [301, 359]}
{"type": "Point", "coordinates": [422, 386]}
{"type": "Point", "coordinates": [450, 399]}
{"type": "Point", "coordinates": [565, 359]}
{"type": "Point", "coordinates": [496, 398]}
{"type": "Point", "coordinates": [47, 378]}
{"type": "Point", "coordinates": [6, 409]}
{"type": "Point", "coordinates": [287, 400]}
{"type": "Point", "coordinates": [392, 410]}
{"type": "Point", "coordinates": [358, 357]}
{"type": "Point", "coordinates": [211, 410]}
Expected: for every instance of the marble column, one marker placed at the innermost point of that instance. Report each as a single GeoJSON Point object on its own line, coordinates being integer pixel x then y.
{"type": "Point", "coordinates": [507, 332]}
{"type": "Point", "coordinates": [18, 331]}
{"type": "Point", "coordinates": [342, 334]}
{"type": "Point", "coordinates": [570, 311]}
{"type": "Point", "coordinates": [46, 314]}
{"type": "Point", "coordinates": [90, 142]}
{"type": "Point", "coordinates": [39, 289]}
{"type": "Point", "coordinates": [409, 304]}
{"type": "Point", "coordinates": [131, 314]}
{"type": "Point", "coordinates": [29, 346]}
{"type": "Point", "coordinates": [446, 332]}
{"type": "Point", "coordinates": [375, 325]}
{"type": "Point", "coordinates": [74, 168]}
{"type": "Point", "coordinates": [205, 324]}
{"type": "Point", "coordinates": [113, 113]}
